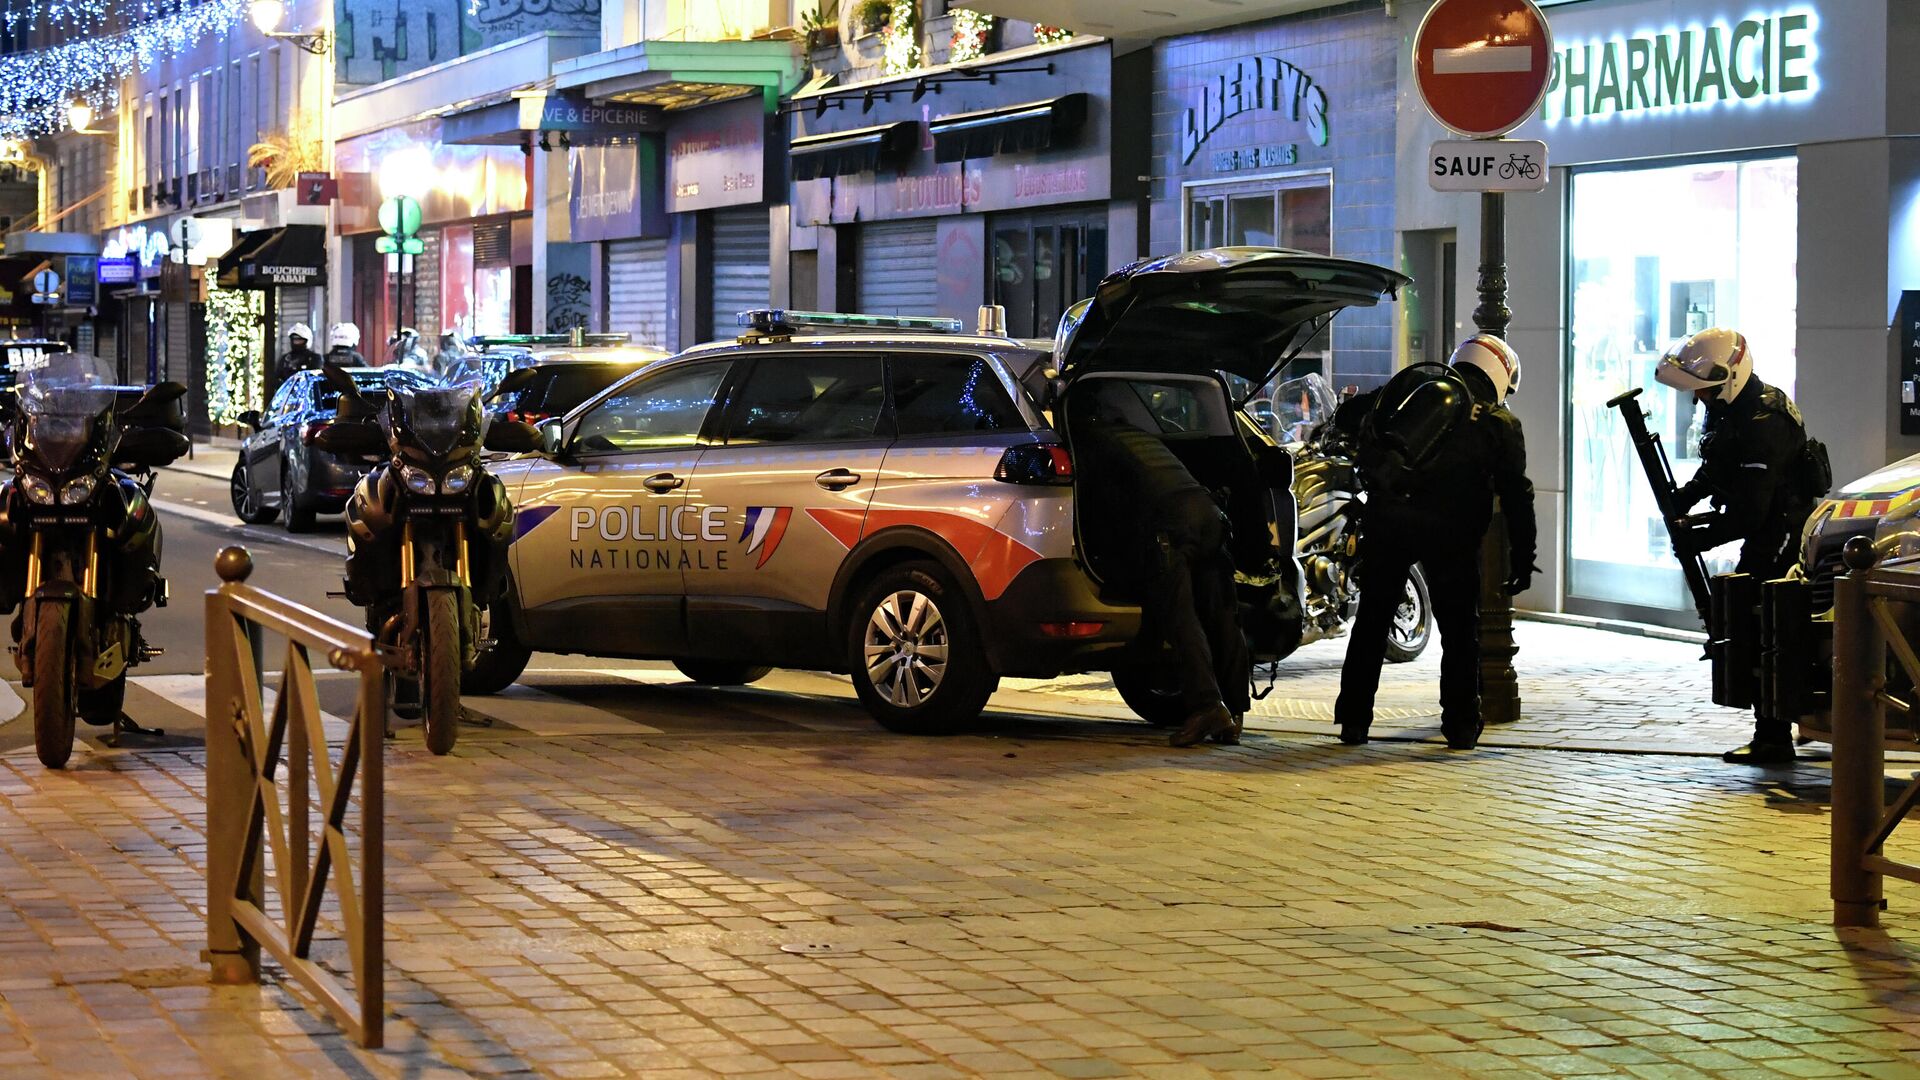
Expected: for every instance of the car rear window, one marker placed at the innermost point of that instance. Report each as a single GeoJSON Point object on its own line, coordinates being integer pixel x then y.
{"type": "Point", "coordinates": [371, 383]}
{"type": "Point", "coordinates": [940, 395]}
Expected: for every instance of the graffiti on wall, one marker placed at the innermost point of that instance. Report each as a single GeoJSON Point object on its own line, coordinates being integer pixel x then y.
{"type": "Point", "coordinates": [568, 297]}
{"type": "Point", "coordinates": [384, 39]}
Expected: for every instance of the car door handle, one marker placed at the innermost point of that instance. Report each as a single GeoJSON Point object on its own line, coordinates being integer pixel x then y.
{"type": "Point", "coordinates": [662, 482]}
{"type": "Point", "coordinates": [837, 479]}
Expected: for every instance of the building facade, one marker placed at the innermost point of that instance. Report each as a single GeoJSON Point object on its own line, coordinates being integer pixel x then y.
{"type": "Point", "coordinates": [1282, 132]}
{"type": "Point", "coordinates": [1713, 164]}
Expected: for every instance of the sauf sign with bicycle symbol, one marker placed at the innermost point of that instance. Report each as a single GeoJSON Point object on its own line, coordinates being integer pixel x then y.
{"type": "Point", "coordinates": [1487, 165]}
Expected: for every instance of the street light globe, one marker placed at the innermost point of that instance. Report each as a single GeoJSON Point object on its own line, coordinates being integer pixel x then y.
{"type": "Point", "coordinates": [407, 171]}
{"type": "Point", "coordinates": [266, 14]}
{"type": "Point", "coordinates": [80, 116]}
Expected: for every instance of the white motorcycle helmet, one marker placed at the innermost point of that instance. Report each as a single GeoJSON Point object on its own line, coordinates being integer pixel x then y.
{"type": "Point", "coordinates": [1494, 358]}
{"type": "Point", "coordinates": [300, 330]}
{"type": "Point", "coordinates": [343, 336]}
{"type": "Point", "coordinates": [1715, 359]}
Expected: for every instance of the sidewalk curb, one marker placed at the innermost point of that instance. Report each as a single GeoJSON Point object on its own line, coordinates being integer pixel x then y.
{"type": "Point", "coordinates": [252, 532]}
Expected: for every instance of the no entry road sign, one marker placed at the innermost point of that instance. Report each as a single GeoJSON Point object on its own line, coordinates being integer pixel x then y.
{"type": "Point", "coordinates": [1481, 66]}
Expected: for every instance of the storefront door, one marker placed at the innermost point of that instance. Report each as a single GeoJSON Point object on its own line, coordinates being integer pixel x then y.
{"type": "Point", "coordinates": [1658, 254]}
{"type": "Point", "coordinates": [1290, 211]}
{"type": "Point", "coordinates": [1043, 263]}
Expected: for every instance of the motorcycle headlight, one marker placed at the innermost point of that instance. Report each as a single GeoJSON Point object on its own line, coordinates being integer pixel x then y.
{"type": "Point", "coordinates": [38, 491]}
{"type": "Point", "coordinates": [458, 478]}
{"type": "Point", "coordinates": [418, 481]}
{"type": "Point", "coordinates": [77, 491]}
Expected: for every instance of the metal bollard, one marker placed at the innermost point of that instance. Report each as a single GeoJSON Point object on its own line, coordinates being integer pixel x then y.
{"type": "Point", "coordinates": [1859, 751]}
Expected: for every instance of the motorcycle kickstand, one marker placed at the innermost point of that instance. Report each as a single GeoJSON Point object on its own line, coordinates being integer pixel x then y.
{"type": "Point", "coordinates": [468, 716]}
{"type": "Point", "coordinates": [125, 725]}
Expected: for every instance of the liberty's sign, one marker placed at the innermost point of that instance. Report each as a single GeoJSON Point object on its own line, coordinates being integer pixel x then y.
{"type": "Point", "coordinates": [1255, 83]}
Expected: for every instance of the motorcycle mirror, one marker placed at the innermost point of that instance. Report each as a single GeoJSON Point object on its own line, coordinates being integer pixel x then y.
{"type": "Point", "coordinates": [511, 437]}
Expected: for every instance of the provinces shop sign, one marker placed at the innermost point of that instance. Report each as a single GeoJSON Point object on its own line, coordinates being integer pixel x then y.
{"type": "Point", "coordinates": [1255, 84]}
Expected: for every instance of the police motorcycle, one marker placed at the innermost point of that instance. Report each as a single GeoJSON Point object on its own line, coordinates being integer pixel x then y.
{"type": "Point", "coordinates": [428, 529]}
{"type": "Point", "coordinates": [1327, 490]}
{"type": "Point", "coordinates": [80, 540]}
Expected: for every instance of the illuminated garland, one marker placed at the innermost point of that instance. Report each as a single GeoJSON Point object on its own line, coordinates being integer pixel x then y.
{"type": "Point", "coordinates": [1050, 35]}
{"type": "Point", "coordinates": [970, 32]}
{"type": "Point", "coordinates": [900, 38]}
{"type": "Point", "coordinates": [236, 365]}
{"type": "Point", "coordinates": [72, 16]}
{"type": "Point", "coordinates": [37, 87]}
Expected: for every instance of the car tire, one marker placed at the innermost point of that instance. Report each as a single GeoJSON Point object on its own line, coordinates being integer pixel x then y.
{"type": "Point", "coordinates": [499, 665]}
{"type": "Point", "coordinates": [1150, 691]}
{"type": "Point", "coordinates": [299, 518]}
{"type": "Point", "coordinates": [246, 501]}
{"type": "Point", "coordinates": [1412, 628]}
{"type": "Point", "coordinates": [722, 672]}
{"type": "Point", "coordinates": [917, 604]}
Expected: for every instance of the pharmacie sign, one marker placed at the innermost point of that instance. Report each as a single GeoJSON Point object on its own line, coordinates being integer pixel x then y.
{"type": "Point", "coordinates": [1255, 84]}
{"type": "Point", "coordinates": [1727, 63]}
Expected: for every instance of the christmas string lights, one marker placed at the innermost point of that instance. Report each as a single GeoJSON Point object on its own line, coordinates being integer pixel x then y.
{"type": "Point", "coordinates": [72, 16]}
{"type": "Point", "coordinates": [37, 87]}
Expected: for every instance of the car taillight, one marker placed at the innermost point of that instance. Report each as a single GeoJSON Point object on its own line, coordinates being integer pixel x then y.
{"type": "Point", "coordinates": [1071, 629]}
{"type": "Point", "coordinates": [313, 430]}
{"type": "Point", "coordinates": [1035, 463]}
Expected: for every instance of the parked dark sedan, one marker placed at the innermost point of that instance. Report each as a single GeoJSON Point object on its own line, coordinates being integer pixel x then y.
{"type": "Point", "coordinates": [280, 472]}
{"type": "Point", "coordinates": [554, 382]}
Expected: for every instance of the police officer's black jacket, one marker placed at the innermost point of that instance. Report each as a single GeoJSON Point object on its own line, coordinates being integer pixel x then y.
{"type": "Point", "coordinates": [1750, 456]}
{"type": "Point", "coordinates": [1450, 498]}
{"type": "Point", "coordinates": [294, 360]}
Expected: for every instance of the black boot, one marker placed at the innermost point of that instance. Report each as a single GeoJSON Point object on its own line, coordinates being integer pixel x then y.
{"type": "Point", "coordinates": [1354, 732]}
{"type": "Point", "coordinates": [1463, 736]}
{"type": "Point", "coordinates": [1229, 736]}
{"type": "Point", "coordinates": [1757, 752]}
{"type": "Point", "coordinates": [1203, 725]}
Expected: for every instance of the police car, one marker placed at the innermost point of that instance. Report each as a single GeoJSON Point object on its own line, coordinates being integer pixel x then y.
{"type": "Point", "coordinates": [893, 498]}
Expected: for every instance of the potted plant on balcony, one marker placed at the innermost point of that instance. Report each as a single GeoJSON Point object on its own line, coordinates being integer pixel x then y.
{"type": "Point", "coordinates": [822, 26]}
{"type": "Point", "coordinates": [872, 16]}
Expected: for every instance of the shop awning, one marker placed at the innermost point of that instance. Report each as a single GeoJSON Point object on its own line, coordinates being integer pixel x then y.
{"type": "Point", "coordinates": [292, 255]}
{"type": "Point", "coordinates": [1036, 125]}
{"type": "Point", "coordinates": [840, 153]}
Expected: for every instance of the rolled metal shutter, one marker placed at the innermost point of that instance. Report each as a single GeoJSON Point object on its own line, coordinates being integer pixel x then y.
{"type": "Point", "coordinates": [295, 305]}
{"type": "Point", "coordinates": [637, 290]}
{"type": "Point", "coordinates": [896, 270]}
{"type": "Point", "coordinates": [742, 255]}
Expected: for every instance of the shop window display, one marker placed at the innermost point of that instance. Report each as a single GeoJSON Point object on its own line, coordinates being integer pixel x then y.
{"type": "Point", "coordinates": [1658, 254]}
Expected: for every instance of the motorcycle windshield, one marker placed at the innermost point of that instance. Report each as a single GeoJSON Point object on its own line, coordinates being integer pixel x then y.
{"type": "Point", "coordinates": [1302, 405]}
{"type": "Point", "coordinates": [443, 417]}
{"type": "Point", "coordinates": [64, 398]}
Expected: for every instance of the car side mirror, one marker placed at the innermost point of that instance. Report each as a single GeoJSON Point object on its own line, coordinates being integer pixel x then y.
{"type": "Point", "coordinates": [250, 418]}
{"type": "Point", "coordinates": [551, 432]}
{"type": "Point", "coordinates": [512, 437]}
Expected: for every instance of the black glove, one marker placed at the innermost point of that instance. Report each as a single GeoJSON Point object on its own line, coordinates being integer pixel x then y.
{"type": "Point", "coordinates": [1519, 581]}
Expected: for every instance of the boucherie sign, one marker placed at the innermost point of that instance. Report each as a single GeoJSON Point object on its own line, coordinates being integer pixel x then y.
{"type": "Point", "coordinates": [1254, 84]}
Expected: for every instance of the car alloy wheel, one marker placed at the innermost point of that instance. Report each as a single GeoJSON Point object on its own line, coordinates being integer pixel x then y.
{"type": "Point", "coordinates": [906, 648]}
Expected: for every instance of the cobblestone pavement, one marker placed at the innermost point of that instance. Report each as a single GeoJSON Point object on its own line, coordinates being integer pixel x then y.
{"type": "Point", "coordinates": [1580, 688]}
{"type": "Point", "coordinates": [762, 884]}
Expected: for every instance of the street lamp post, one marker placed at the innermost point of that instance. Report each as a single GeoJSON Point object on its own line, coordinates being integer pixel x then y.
{"type": "Point", "coordinates": [1499, 686]}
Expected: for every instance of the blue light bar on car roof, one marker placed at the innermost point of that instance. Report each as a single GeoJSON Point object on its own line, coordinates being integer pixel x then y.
{"type": "Point", "coordinates": [769, 320]}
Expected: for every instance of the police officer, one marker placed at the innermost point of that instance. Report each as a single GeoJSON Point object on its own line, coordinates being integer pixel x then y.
{"type": "Point", "coordinates": [1438, 519]}
{"type": "Point", "coordinates": [343, 345]}
{"type": "Point", "coordinates": [298, 357]}
{"type": "Point", "coordinates": [1173, 551]}
{"type": "Point", "coordinates": [1752, 465]}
